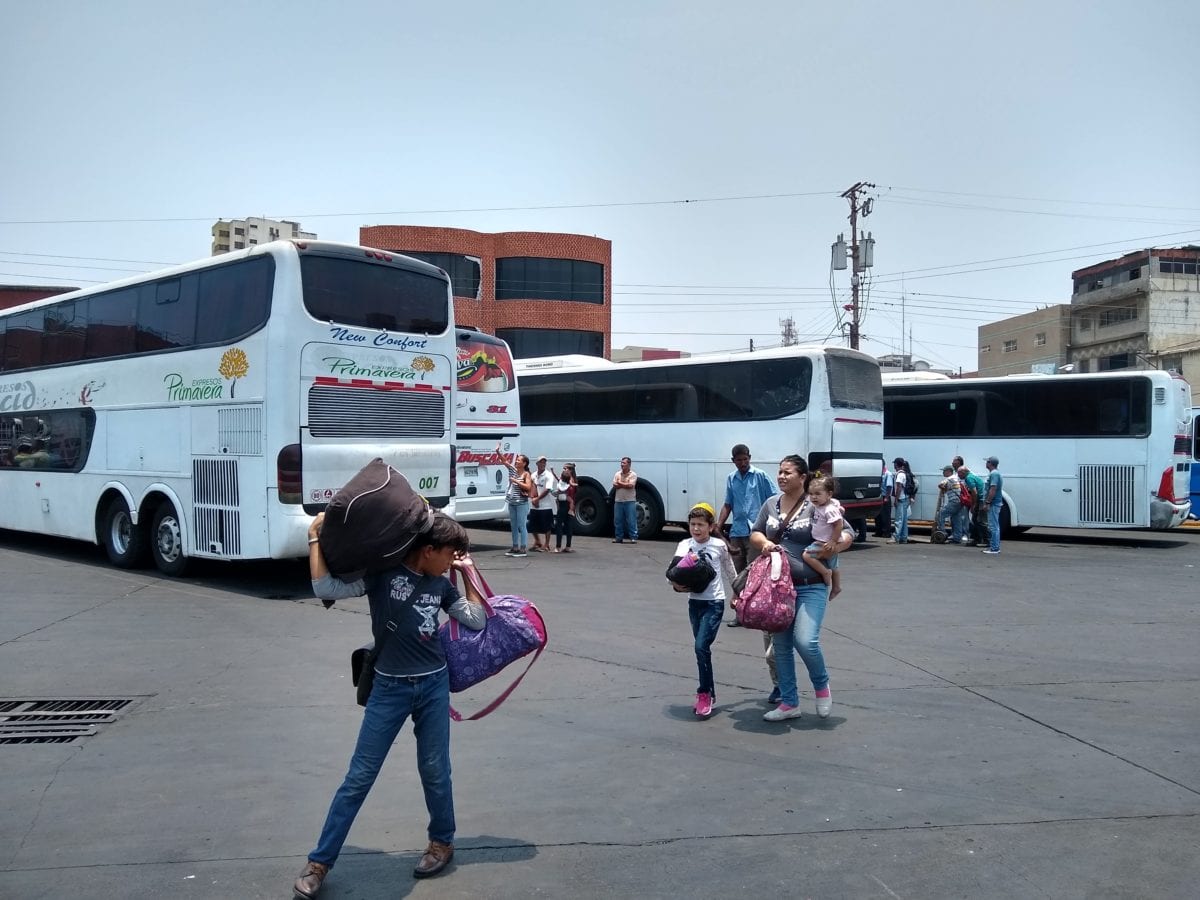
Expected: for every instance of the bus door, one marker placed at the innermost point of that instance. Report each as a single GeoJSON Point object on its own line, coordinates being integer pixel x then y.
{"type": "Point", "coordinates": [1195, 465]}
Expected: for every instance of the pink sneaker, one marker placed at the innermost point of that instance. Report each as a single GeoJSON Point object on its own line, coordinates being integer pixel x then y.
{"type": "Point", "coordinates": [824, 702]}
{"type": "Point", "coordinates": [704, 705]}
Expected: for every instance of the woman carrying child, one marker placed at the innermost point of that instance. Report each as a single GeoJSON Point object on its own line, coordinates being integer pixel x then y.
{"type": "Point", "coordinates": [706, 607]}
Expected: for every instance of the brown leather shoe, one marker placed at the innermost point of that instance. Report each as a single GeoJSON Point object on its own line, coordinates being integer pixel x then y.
{"type": "Point", "coordinates": [437, 856]}
{"type": "Point", "coordinates": [309, 883]}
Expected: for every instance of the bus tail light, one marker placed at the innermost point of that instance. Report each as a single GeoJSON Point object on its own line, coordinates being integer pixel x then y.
{"type": "Point", "coordinates": [1166, 485]}
{"type": "Point", "coordinates": [289, 475]}
{"type": "Point", "coordinates": [453, 472]}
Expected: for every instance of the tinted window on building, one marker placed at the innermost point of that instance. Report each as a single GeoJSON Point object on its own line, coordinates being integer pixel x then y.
{"type": "Point", "coordinates": [463, 270]}
{"type": "Point", "coordinates": [354, 291]}
{"type": "Point", "coordinates": [527, 342]}
{"type": "Point", "coordinates": [538, 278]}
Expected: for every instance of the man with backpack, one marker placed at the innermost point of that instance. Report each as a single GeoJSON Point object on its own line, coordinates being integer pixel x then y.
{"type": "Point", "coordinates": [903, 492]}
{"type": "Point", "coordinates": [974, 492]}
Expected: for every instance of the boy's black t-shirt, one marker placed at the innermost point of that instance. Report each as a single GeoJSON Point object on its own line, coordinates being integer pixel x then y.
{"type": "Point", "coordinates": [404, 620]}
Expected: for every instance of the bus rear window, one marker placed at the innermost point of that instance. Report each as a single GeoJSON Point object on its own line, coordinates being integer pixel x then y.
{"type": "Point", "coordinates": [854, 383]}
{"type": "Point", "coordinates": [364, 294]}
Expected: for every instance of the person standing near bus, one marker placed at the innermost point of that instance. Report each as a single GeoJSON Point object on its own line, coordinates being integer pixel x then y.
{"type": "Point", "coordinates": [520, 486]}
{"type": "Point", "coordinates": [973, 527]}
{"type": "Point", "coordinates": [541, 516]}
{"type": "Point", "coordinates": [901, 500]}
{"type": "Point", "coordinates": [995, 500]}
{"type": "Point", "coordinates": [883, 518]}
{"type": "Point", "coordinates": [747, 488]}
{"type": "Point", "coordinates": [625, 503]}
{"type": "Point", "coordinates": [564, 517]}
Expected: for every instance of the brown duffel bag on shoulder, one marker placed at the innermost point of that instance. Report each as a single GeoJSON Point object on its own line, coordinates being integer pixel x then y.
{"type": "Point", "coordinates": [372, 521]}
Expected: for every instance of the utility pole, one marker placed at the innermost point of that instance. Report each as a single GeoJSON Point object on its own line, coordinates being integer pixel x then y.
{"type": "Point", "coordinates": [862, 256]}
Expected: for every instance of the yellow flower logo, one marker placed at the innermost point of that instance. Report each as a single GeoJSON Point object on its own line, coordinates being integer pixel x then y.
{"type": "Point", "coordinates": [234, 365]}
{"type": "Point", "coordinates": [423, 364]}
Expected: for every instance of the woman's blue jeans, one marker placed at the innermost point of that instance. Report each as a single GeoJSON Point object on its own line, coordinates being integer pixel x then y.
{"type": "Point", "coordinates": [518, 521]}
{"type": "Point", "coordinates": [805, 638]}
{"type": "Point", "coordinates": [393, 699]}
{"type": "Point", "coordinates": [706, 621]}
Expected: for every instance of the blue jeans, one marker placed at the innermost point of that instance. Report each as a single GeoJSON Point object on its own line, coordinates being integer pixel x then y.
{"type": "Point", "coordinates": [625, 520]}
{"type": "Point", "coordinates": [805, 638]}
{"type": "Point", "coordinates": [518, 521]}
{"type": "Point", "coordinates": [994, 525]}
{"type": "Point", "coordinates": [425, 698]}
{"type": "Point", "coordinates": [902, 508]}
{"type": "Point", "coordinates": [951, 510]}
{"type": "Point", "coordinates": [706, 620]}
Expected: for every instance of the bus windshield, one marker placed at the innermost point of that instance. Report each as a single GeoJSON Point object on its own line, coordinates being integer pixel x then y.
{"type": "Point", "coordinates": [348, 292]}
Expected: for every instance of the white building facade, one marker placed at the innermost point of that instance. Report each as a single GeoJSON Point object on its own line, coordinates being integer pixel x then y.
{"type": "Point", "coordinates": [238, 234]}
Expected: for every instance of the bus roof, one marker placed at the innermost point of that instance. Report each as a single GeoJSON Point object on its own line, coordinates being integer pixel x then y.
{"type": "Point", "coordinates": [327, 247]}
{"type": "Point", "coordinates": [581, 362]}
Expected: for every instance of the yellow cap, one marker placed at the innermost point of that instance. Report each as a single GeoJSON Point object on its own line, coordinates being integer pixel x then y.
{"type": "Point", "coordinates": [706, 507]}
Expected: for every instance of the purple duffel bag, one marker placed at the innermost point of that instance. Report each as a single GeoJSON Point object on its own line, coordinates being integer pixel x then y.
{"type": "Point", "coordinates": [514, 628]}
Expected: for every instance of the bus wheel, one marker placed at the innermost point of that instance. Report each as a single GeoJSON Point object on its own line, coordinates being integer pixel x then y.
{"type": "Point", "coordinates": [167, 541]}
{"type": "Point", "coordinates": [1006, 528]}
{"type": "Point", "coordinates": [591, 511]}
{"type": "Point", "coordinates": [124, 542]}
{"type": "Point", "coordinates": [649, 515]}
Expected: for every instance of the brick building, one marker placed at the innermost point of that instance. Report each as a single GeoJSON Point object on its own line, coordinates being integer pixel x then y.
{"type": "Point", "coordinates": [15, 294]}
{"type": "Point", "coordinates": [544, 293]}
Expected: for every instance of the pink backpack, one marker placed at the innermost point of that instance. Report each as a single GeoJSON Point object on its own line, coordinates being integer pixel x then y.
{"type": "Point", "coordinates": [768, 601]}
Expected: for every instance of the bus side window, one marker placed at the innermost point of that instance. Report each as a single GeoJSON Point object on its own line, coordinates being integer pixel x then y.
{"type": "Point", "coordinates": [23, 346]}
{"type": "Point", "coordinates": [111, 328]}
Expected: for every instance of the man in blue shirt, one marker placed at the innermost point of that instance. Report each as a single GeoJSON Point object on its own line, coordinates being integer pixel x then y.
{"type": "Point", "coordinates": [995, 500]}
{"type": "Point", "coordinates": [746, 490]}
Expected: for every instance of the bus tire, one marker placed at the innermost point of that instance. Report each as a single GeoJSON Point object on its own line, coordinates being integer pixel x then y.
{"type": "Point", "coordinates": [591, 511]}
{"type": "Point", "coordinates": [649, 514]}
{"type": "Point", "coordinates": [124, 542]}
{"type": "Point", "coordinates": [1006, 528]}
{"type": "Point", "coordinates": [166, 541]}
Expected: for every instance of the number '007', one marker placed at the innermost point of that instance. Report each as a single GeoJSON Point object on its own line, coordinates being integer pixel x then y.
{"type": "Point", "coordinates": [428, 482]}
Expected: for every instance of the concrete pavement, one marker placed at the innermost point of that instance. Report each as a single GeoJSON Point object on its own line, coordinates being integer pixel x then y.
{"type": "Point", "coordinates": [1024, 725]}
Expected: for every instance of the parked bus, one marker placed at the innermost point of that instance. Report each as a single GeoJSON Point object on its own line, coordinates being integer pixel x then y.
{"type": "Point", "coordinates": [1195, 489]}
{"type": "Point", "coordinates": [209, 410]}
{"type": "Point", "coordinates": [487, 410]}
{"type": "Point", "coordinates": [678, 419]}
{"type": "Point", "coordinates": [1101, 450]}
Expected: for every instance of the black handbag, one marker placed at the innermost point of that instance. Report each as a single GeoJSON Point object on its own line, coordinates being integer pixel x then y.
{"type": "Point", "coordinates": [362, 670]}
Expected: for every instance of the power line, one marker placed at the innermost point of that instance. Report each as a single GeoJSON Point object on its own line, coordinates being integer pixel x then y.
{"type": "Point", "coordinates": [690, 201]}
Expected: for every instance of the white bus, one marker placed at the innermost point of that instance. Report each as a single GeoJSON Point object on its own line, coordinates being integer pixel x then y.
{"type": "Point", "coordinates": [209, 410]}
{"type": "Point", "coordinates": [1195, 463]}
{"type": "Point", "coordinates": [487, 410]}
{"type": "Point", "coordinates": [1102, 450]}
{"type": "Point", "coordinates": [678, 419]}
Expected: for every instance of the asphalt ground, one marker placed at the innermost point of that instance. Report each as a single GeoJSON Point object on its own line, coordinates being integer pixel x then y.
{"type": "Point", "coordinates": [1017, 726]}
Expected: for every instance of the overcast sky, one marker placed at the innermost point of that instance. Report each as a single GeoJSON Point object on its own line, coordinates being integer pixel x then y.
{"type": "Point", "coordinates": [1044, 136]}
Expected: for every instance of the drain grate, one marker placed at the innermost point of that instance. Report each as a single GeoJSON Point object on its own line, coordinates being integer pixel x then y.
{"type": "Point", "coordinates": [57, 720]}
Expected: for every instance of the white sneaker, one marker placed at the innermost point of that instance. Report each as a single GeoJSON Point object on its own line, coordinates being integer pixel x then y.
{"type": "Point", "coordinates": [781, 712]}
{"type": "Point", "coordinates": [825, 704]}
{"type": "Point", "coordinates": [992, 552]}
